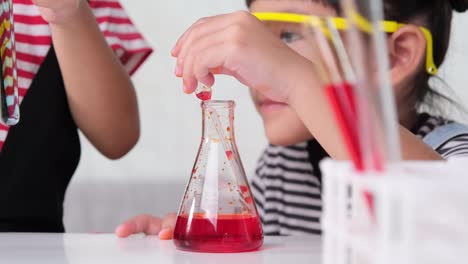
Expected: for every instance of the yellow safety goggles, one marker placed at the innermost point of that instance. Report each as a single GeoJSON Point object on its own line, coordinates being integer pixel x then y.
{"type": "Point", "coordinates": [341, 23]}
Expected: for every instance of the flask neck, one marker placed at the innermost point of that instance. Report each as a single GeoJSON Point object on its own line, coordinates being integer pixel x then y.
{"type": "Point", "coordinates": [218, 121]}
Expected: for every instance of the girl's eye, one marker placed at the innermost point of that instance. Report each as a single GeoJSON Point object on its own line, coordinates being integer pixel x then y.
{"type": "Point", "coordinates": [290, 36]}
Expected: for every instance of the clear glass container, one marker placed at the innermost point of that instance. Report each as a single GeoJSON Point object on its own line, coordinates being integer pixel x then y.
{"type": "Point", "coordinates": [218, 213]}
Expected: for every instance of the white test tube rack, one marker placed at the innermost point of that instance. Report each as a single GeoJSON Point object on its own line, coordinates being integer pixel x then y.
{"type": "Point", "coordinates": [421, 214]}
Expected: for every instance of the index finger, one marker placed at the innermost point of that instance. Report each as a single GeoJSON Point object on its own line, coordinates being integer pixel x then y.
{"type": "Point", "coordinates": [141, 224]}
{"type": "Point", "coordinates": [176, 50]}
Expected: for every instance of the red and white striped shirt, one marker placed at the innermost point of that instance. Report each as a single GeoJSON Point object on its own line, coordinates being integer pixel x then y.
{"type": "Point", "coordinates": [33, 41]}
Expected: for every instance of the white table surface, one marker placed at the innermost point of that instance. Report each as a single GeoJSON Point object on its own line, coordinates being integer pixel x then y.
{"type": "Point", "coordinates": [107, 248]}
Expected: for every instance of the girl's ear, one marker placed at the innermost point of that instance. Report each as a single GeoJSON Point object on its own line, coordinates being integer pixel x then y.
{"type": "Point", "coordinates": [407, 48]}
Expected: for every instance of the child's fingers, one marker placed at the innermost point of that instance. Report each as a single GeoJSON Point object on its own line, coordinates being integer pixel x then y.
{"type": "Point", "coordinates": [190, 82]}
{"type": "Point", "coordinates": [169, 220]}
{"type": "Point", "coordinates": [200, 46]}
{"type": "Point", "coordinates": [167, 227]}
{"type": "Point", "coordinates": [232, 34]}
{"type": "Point", "coordinates": [194, 39]}
{"type": "Point", "coordinates": [208, 80]}
{"type": "Point", "coordinates": [176, 49]}
{"type": "Point", "coordinates": [166, 234]}
{"type": "Point", "coordinates": [202, 70]}
{"type": "Point", "coordinates": [211, 27]}
{"type": "Point", "coordinates": [214, 59]}
{"type": "Point", "coordinates": [140, 224]}
{"type": "Point", "coordinates": [233, 23]}
{"type": "Point", "coordinates": [178, 70]}
{"type": "Point", "coordinates": [197, 26]}
{"type": "Point", "coordinates": [219, 59]}
{"type": "Point", "coordinates": [125, 230]}
{"type": "Point", "coordinates": [200, 66]}
{"type": "Point", "coordinates": [194, 49]}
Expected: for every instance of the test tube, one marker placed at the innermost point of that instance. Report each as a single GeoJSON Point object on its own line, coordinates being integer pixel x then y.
{"type": "Point", "coordinates": [375, 98]}
{"type": "Point", "coordinates": [338, 89]}
{"type": "Point", "coordinates": [203, 92]}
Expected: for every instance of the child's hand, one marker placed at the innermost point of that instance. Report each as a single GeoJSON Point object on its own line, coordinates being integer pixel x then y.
{"type": "Point", "coordinates": [149, 225]}
{"type": "Point", "coordinates": [58, 11]}
{"type": "Point", "coordinates": [239, 45]}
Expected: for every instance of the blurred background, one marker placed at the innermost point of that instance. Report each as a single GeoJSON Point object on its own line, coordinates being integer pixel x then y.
{"type": "Point", "coordinates": [152, 178]}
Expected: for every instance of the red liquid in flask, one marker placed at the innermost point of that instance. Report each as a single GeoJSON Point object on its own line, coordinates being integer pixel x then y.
{"type": "Point", "coordinates": [228, 233]}
{"type": "Point", "coordinates": [229, 155]}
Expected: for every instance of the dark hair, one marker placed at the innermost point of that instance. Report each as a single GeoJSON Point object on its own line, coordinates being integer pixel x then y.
{"type": "Point", "coordinates": [437, 15]}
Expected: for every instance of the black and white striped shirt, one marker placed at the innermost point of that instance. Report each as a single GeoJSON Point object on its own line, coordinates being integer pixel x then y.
{"type": "Point", "coordinates": [287, 182]}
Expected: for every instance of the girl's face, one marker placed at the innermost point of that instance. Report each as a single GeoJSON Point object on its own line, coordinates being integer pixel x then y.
{"type": "Point", "coordinates": [282, 124]}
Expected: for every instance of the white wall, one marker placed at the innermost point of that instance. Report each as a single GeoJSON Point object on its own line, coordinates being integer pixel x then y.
{"type": "Point", "coordinates": [455, 69]}
{"type": "Point", "coordinates": [161, 163]}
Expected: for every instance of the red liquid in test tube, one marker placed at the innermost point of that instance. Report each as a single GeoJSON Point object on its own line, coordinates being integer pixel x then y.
{"type": "Point", "coordinates": [346, 117]}
{"type": "Point", "coordinates": [204, 96]}
{"type": "Point", "coordinates": [203, 93]}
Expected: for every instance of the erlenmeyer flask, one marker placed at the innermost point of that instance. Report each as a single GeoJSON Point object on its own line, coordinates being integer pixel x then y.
{"type": "Point", "coordinates": [218, 213]}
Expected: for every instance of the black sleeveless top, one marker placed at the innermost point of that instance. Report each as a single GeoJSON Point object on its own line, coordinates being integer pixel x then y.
{"type": "Point", "coordinates": [39, 156]}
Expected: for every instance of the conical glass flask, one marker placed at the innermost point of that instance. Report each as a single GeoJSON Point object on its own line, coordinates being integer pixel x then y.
{"type": "Point", "coordinates": [218, 213]}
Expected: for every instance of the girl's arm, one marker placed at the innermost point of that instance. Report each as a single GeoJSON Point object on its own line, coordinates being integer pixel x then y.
{"type": "Point", "coordinates": [239, 45]}
{"type": "Point", "coordinates": [312, 107]}
{"type": "Point", "coordinates": [101, 96]}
